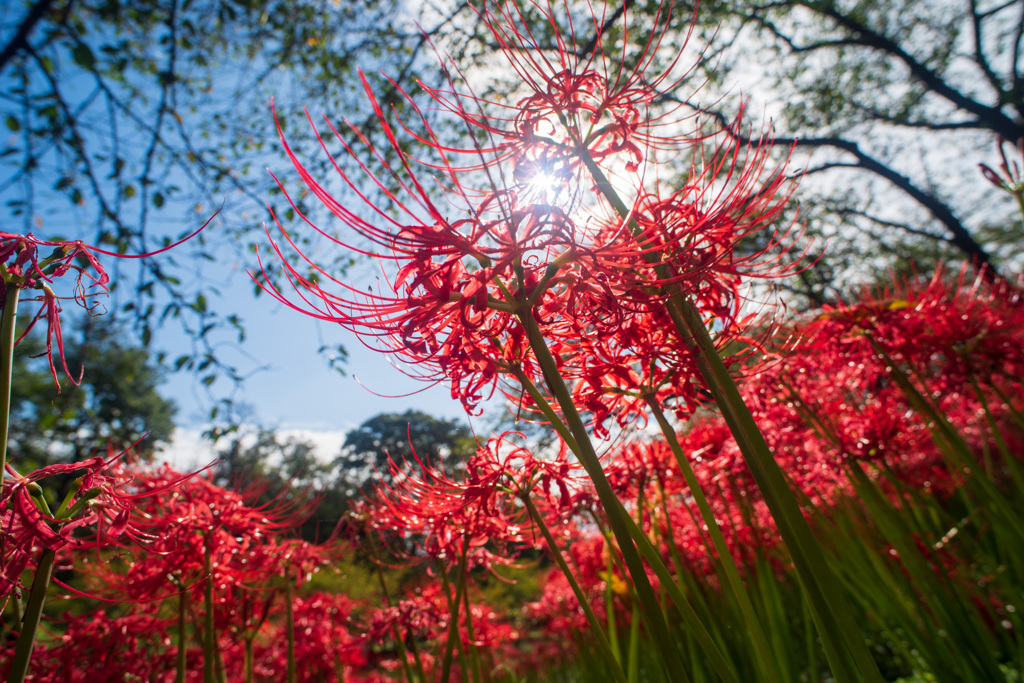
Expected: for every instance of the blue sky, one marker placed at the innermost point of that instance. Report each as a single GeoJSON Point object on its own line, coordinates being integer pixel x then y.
{"type": "Point", "coordinates": [292, 385]}
{"type": "Point", "coordinates": [292, 388]}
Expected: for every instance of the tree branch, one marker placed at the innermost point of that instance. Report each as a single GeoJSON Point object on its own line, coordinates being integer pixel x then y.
{"type": "Point", "coordinates": [20, 39]}
{"type": "Point", "coordinates": [959, 236]}
{"type": "Point", "coordinates": [993, 117]}
{"type": "Point", "coordinates": [979, 53]}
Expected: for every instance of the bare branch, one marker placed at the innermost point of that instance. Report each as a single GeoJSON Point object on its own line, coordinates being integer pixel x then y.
{"type": "Point", "coordinates": [979, 54]}
{"type": "Point", "coordinates": [993, 117]}
{"type": "Point", "coordinates": [19, 41]}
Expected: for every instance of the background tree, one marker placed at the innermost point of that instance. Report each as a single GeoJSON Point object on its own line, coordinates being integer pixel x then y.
{"type": "Point", "coordinates": [890, 106]}
{"type": "Point", "coordinates": [117, 401]}
{"type": "Point", "coordinates": [887, 107]}
{"type": "Point", "coordinates": [366, 450]}
{"type": "Point", "coordinates": [131, 121]}
{"type": "Point", "coordinates": [288, 466]}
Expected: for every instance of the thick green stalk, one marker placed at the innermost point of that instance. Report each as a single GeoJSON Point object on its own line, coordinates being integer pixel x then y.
{"type": "Point", "coordinates": [643, 543]}
{"type": "Point", "coordinates": [209, 644]}
{"type": "Point", "coordinates": [30, 623]}
{"type": "Point", "coordinates": [765, 658]}
{"type": "Point", "coordinates": [474, 658]}
{"type": "Point", "coordinates": [844, 644]}
{"type": "Point", "coordinates": [289, 611]}
{"type": "Point", "coordinates": [8, 328]}
{"type": "Point", "coordinates": [591, 463]}
{"type": "Point", "coordinates": [602, 641]}
{"type": "Point", "coordinates": [690, 618]}
{"type": "Point", "coordinates": [952, 444]}
{"type": "Point", "coordinates": [700, 632]}
{"type": "Point", "coordinates": [609, 602]}
{"type": "Point", "coordinates": [1008, 460]}
{"type": "Point", "coordinates": [634, 646]}
{"type": "Point", "coordinates": [545, 408]}
{"type": "Point", "coordinates": [248, 660]}
{"type": "Point", "coordinates": [453, 628]}
{"type": "Point", "coordinates": [219, 659]}
{"type": "Point", "coordinates": [399, 638]}
{"type": "Point", "coordinates": [182, 664]}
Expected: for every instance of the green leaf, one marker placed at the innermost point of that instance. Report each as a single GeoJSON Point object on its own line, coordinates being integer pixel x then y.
{"type": "Point", "coordinates": [13, 123]}
{"type": "Point", "coordinates": [158, 200]}
{"type": "Point", "coordinates": [83, 56]}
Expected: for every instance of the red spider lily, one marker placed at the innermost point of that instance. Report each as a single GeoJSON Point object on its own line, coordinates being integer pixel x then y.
{"type": "Point", "coordinates": [102, 501]}
{"type": "Point", "coordinates": [325, 642]}
{"type": "Point", "coordinates": [97, 647]}
{"type": "Point", "coordinates": [241, 536]}
{"type": "Point", "coordinates": [957, 340]}
{"type": "Point", "coordinates": [455, 290]}
{"type": "Point", "coordinates": [582, 96]}
{"type": "Point", "coordinates": [423, 617]}
{"type": "Point", "coordinates": [23, 268]}
{"type": "Point", "coordinates": [476, 513]}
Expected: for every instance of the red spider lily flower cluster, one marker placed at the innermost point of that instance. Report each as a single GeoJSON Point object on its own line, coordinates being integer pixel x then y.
{"type": "Point", "coordinates": [104, 502]}
{"type": "Point", "coordinates": [24, 266]}
{"type": "Point", "coordinates": [479, 513]}
{"type": "Point", "coordinates": [456, 290]}
{"type": "Point", "coordinates": [99, 648]}
{"type": "Point", "coordinates": [833, 407]}
{"type": "Point", "coordinates": [956, 339]}
{"type": "Point", "coordinates": [242, 538]}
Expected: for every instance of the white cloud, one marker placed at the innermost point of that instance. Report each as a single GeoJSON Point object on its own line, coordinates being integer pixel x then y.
{"type": "Point", "coordinates": [188, 450]}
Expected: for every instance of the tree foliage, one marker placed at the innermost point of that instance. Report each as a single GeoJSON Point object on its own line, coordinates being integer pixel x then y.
{"type": "Point", "coordinates": [264, 461]}
{"type": "Point", "coordinates": [116, 402]}
{"type": "Point", "coordinates": [130, 122]}
{"type": "Point", "coordinates": [889, 106]}
{"type": "Point", "coordinates": [399, 437]}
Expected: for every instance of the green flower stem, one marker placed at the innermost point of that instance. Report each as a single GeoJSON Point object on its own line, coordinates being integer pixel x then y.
{"type": "Point", "coordinates": [247, 664]}
{"type": "Point", "coordinates": [602, 641]}
{"type": "Point", "coordinates": [685, 609]}
{"type": "Point", "coordinates": [769, 667]}
{"type": "Point", "coordinates": [8, 327]}
{"type": "Point", "coordinates": [474, 658]}
{"type": "Point", "coordinates": [592, 464]}
{"type": "Point", "coordinates": [30, 623]}
{"type": "Point", "coordinates": [1008, 460]}
{"type": "Point", "coordinates": [952, 444]}
{"type": "Point", "coordinates": [182, 666]}
{"type": "Point", "coordinates": [844, 645]}
{"type": "Point", "coordinates": [689, 616]}
{"type": "Point", "coordinates": [1018, 417]}
{"type": "Point", "coordinates": [289, 612]}
{"type": "Point", "coordinates": [453, 627]}
{"type": "Point", "coordinates": [399, 639]}
{"type": "Point", "coordinates": [545, 408]}
{"type": "Point", "coordinates": [843, 642]}
{"type": "Point", "coordinates": [209, 643]}
{"type": "Point", "coordinates": [634, 646]}
{"type": "Point", "coordinates": [609, 601]}
{"type": "Point", "coordinates": [221, 675]}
